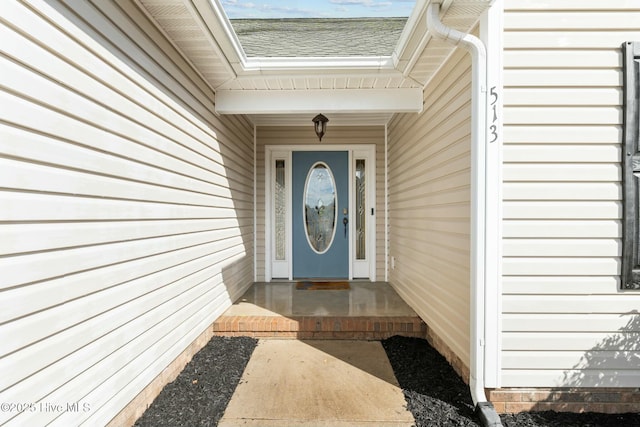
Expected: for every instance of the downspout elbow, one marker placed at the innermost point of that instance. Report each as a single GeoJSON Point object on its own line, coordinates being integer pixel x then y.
{"type": "Point", "coordinates": [440, 30]}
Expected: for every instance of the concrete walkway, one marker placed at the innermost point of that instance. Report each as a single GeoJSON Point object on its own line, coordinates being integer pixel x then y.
{"type": "Point", "coordinates": [318, 383]}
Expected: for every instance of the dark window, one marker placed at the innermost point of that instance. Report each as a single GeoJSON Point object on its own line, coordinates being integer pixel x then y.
{"type": "Point", "coordinates": [631, 167]}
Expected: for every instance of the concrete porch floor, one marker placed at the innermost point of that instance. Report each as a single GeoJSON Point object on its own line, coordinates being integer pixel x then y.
{"type": "Point", "coordinates": [278, 310]}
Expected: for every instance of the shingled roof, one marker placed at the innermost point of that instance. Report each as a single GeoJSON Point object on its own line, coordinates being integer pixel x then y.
{"type": "Point", "coordinates": [311, 37]}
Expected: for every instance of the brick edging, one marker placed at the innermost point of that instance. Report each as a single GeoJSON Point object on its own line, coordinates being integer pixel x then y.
{"type": "Point", "coordinates": [604, 400]}
{"type": "Point", "coordinates": [441, 347]}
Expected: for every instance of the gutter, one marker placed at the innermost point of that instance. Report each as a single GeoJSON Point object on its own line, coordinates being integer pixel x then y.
{"type": "Point", "coordinates": [476, 48]}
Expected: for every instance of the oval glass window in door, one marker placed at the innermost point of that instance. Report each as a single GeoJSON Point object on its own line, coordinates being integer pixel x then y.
{"type": "Point", "coordinates": [320, 207]}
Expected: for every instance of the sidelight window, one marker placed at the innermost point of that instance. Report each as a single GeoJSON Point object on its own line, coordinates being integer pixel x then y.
{"type": "Point", "coordinates": [280, 210]}
{"type": "Point", "coordinates": [361, 207]}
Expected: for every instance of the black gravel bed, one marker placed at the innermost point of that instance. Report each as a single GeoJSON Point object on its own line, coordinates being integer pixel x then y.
{"type": "Point", "coordinates": [202, 391]}
{"type": "Point", "coordinates": [562, 419]}
{"type": "Point", "coordinates": [435, 394]}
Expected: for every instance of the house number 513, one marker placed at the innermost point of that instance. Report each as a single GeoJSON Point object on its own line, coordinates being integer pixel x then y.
{"type": "Point", "coordinates": [494, 107]}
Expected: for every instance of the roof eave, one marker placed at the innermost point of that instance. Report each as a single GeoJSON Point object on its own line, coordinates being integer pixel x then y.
{"type": "Point", "coordinates": [213, 16]}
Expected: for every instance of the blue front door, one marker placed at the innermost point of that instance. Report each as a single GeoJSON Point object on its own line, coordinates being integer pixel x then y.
{"type": "Point", "coordinates": [320, 214]}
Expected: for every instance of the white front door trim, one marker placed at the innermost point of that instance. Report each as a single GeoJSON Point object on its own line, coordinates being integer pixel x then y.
{"type": "Point", "coordinates": [283, 269]}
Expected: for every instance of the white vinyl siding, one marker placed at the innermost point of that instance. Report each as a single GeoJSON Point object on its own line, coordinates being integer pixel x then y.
{"type": "Point", "coordinates": [429, 202]}
{"type": "Point", "coordinates": [565, 322]}
{"type": "Point", "coordinates": [340, 135]}
{"type": "Point", "coordinates": [127, 208]}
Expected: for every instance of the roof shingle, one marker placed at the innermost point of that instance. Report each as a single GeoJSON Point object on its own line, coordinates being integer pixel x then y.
{"type": "Point", "coordinates": [313, 37]}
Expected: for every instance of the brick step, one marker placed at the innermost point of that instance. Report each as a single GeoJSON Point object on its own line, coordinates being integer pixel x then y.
{"type": "Point", "coordinates": [320, 327]}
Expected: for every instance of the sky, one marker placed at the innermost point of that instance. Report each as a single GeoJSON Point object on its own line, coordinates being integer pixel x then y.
{"type": "Point", "coordinates": [257, 9]}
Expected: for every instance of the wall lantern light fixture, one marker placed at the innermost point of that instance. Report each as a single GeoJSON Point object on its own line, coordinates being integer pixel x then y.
{"type": "Point", "coordinates": [320, 125]}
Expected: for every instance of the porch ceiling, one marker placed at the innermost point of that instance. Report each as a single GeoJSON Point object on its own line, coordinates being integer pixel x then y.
{"type": "Point", "coordinates": [352, 90]}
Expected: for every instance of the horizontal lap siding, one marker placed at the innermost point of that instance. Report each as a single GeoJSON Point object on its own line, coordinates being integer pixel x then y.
{"type": "Point", "coordinates": [429, 194]}
{"type": "Point", "coordinates": [339, 135]}
{"type": "Point", "coordinates": [565, 323]}
{"type": "Point", "coordinates": [127, 208]}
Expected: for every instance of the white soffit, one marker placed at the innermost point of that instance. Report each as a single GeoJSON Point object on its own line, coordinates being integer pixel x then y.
{"type": "Point", "coordinates": [327, 100]}
{"type": "Point", "coordinates": [342, 119]}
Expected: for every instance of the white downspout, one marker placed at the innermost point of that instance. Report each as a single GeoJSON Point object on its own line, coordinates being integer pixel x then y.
{"type": "Point", "coordinates": [478, 203]}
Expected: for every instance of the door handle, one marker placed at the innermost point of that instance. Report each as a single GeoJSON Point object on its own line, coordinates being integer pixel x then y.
{"type": "Point", "coordinates": [345, 221]}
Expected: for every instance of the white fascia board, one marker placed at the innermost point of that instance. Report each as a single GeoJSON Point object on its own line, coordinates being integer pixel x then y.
{"type": "Point", "coordinates": [210, 14]}
{"type": "Point", "coordinates": [319, 63]}
{"type": "Point", "coordinates": [405, 100]}
{"type": "Point", "coordinates": [250, 77]}
{"type": "Point", "coordinates": [411, 33]}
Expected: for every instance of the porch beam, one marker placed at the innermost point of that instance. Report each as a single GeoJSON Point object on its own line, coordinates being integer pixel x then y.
{"type": "Point", "coordinates": [403, 100]}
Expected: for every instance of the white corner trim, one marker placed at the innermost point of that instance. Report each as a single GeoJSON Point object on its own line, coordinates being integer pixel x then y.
{"type": "Point", "coordinates": [491, 33]}
{"type": "Point", "coordinates": [386, 202]}
{"type": "Point", "coordinates": [255, 203]}
{"type": "Point", "coordinates": [406, 100]}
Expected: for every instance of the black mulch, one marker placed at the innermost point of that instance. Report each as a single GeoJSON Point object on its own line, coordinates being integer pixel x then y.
{"type": "Point", "coordinates": [566, 419]}
{"type": "Point", "coordinates": [202, 391]}
{"type": "Point", "coordinates": [435, 394]}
